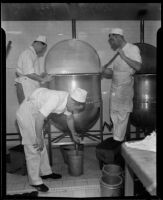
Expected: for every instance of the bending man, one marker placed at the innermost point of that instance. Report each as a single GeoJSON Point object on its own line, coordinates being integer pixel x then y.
{"type": "Point", "coordinates": [30, 117]}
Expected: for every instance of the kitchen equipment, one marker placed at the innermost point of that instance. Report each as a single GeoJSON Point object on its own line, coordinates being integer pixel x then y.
{"type": "Point", "coordinates": [75, 63]}
{"type": "Point", "coordinates": [75, 162]}
{"type": "Point", "coordinates": [111, 186]}
{"type": "Point", "coordinates": [144, 101]}
{"type": "Point", "coordinates": [112, 169]}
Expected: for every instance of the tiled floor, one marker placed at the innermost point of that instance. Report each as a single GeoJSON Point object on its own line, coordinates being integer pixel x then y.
{"type": "Point", "coordinates": [85, 185]}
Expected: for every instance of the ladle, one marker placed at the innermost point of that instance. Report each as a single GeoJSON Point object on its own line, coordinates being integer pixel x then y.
{"type": "Point", "coordinates": [76, 148]}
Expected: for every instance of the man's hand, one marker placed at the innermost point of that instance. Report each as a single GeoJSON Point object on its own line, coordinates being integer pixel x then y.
{"type": "Point", "coordinates": [39, 145]}
{"type": "Point", "coordinates": [132, 63]}
{"type": "Point", "coordinates": [76, 138]}
{"type": "Point", "coordinates": [103, 68]}
{"type": "Point", "coordinates": [121, 53]}
{"type": "Point", "coordinates": [107, 73]}
{"type": "Point", "coordinates": [47, 78]}
{"type": "Point", "coordinates": [43, 74]}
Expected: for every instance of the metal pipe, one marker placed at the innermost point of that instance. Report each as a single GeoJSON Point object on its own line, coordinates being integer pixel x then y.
{"type": "Point", "coordinates": [73, 28]}
{"type": "Point", "coordinates": [142, 30]}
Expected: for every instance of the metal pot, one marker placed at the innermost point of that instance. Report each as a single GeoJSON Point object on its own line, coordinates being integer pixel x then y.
{"type": "Point", "coordinates": [144, 102]}
{"type": "Point", "coordinates": [76, 63]}
{"type": "Point", "coordinates": [90, 82]}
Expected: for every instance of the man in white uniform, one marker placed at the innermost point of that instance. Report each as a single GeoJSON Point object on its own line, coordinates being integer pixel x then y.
{"type": "Point", "coordinates": [30, 117]}
{"type": "Point", "coordinates": [122, 69]}
{"type": "Point", "coordinates": [28, 70]}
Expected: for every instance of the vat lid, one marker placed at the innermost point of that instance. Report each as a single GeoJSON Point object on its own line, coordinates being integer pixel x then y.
{"type": "Point", "coordinates": [72, 56]}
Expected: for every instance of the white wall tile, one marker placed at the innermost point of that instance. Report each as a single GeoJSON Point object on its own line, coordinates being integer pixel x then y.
{"type": "Point", "coordinates": [22, 33]}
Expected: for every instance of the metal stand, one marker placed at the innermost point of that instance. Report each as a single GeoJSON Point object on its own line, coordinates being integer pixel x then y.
{"type": "Point", "coordinates": [138, 133]}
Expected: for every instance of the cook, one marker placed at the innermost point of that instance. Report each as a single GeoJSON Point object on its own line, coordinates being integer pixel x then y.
{"type": "Point", "coordinates": [30, 117]}
{"type": "Point", "coordinates": [28, 70]}
{"type": "Point", "coordinates": [123, 66]}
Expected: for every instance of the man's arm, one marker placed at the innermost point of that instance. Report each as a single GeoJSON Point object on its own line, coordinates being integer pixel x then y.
{"type": "Point", "coordinates": [132, 63]}
{"type": "Point", "coordinates": [108, 72]}
{"type": "Point", "coordinates": [71, 126]}
{"type": "Point", "coordinates": [39, 78]}
{"type": "Point", "coordinates": [110, 62]}
{"type": "Point", "coordinates": [32, 76]}
{"type": "Point", "coordinates": [35, 77]}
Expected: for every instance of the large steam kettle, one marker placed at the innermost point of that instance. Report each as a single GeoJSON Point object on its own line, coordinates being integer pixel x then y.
{"type": "Point", "coordinates": [144, 102]}
{"type": "Point", "coordinates": [76, 63]}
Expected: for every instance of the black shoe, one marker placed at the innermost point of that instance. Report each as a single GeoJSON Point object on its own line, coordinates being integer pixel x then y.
{"type": "Point", "coordinates": [41, 187]}
{"type": "Point", "coordinates": [53, 176]}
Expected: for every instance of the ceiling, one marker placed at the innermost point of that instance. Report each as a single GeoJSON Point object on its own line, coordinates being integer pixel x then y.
{"type": "Point", "coordinates": [80, 11]}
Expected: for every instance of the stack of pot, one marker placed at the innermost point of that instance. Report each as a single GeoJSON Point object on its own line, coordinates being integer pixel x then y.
{"type": "Point", "coordinates": [111, 181]}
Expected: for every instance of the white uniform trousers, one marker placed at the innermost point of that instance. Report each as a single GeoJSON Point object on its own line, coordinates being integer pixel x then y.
{"type": "Point", "coordinates": [121, 105]}
{"type": "Point", "coordinates": [120, 120]}
{"type": "Point", "coordinates": [37, 164]}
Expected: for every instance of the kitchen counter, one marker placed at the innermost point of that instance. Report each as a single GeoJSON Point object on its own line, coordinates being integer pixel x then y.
{"type": "Point", "coordinates": [143, 164]}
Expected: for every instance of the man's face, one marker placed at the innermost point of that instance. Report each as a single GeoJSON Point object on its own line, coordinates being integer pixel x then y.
{"type": "Point", "coordinates": [74, 107]}
{"type": "Point", "coordinates": [113, 41]}
{"type": "Point", "coordinates": [41, 49]}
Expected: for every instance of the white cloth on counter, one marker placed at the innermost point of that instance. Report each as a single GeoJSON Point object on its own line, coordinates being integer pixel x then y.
{"type": "Point", "coordinates": [148, 143]}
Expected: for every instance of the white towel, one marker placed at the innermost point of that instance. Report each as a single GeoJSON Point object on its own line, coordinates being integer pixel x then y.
{"type": "Point", "coordinates": [148, 143]}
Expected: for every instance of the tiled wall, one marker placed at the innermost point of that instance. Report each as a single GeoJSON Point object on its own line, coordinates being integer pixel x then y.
{"type": "Point", "coordinates": [22, 33]}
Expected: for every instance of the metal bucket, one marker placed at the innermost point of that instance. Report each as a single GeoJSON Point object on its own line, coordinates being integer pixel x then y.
{"type": "Point", "coordinates": [110, 186]}
{"type": "Point", "coordinates": [66, 148]}
{"type": "Point", "coordinates": [112, 169]}
{"type": "Point", "coordinates": [75, 162]}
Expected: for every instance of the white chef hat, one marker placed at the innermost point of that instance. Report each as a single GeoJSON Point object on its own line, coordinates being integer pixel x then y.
{"type": "Point", "coordinates": [41, 38]}
{"type": "Point", "coordinates": [118, 31]}
{"type": "Point", "coordinates": [79, 95]}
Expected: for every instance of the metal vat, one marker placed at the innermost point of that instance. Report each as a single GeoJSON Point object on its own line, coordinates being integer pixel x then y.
{"type": "Point", "coordinates": [144, 102]}
{"type": "Point", "coordinates": [75, 63]}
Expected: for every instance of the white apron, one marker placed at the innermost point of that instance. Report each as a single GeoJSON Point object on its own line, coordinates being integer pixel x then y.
{"type": "Point", "coordinates": [28, 85]}
{"type": "Point", "coordinates": [121, 103]}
